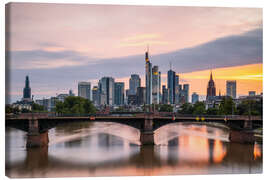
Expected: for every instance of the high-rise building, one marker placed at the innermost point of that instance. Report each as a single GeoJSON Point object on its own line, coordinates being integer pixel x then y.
{"type": "Point", "coordinates": [134, 83]}
{"type": "Point", "coordinates": [231, 88]}
{"type": "Point", "coordinates": [27, 90]}
{"type": "Point", "coordinates": [106, 91]}
{"type": "Point", "coordinates": [119, 93]}
{"type": "Point", "coordinates": [148, 79]}
{"type": "Point", "coordinates": [186, 92]}
{"type": "Point", "coordinates": [155, 85]}
{"type": "Point", "coordinates": [95, 95]}
{"type": "Point", "coordinates": [177, 90]}
{"type": "Point", "coordinates": [195, 98]}
{"type": "Point", "coordinates": [165, 95]}
{"type": "Point", "coordinates": [211, 89]}
{"type": "Point", "coordinates": [141, 95]}
{"type": "Point", "coordinates": [171, 86]}
{"type": "Point", "coordinates": [84, 90]}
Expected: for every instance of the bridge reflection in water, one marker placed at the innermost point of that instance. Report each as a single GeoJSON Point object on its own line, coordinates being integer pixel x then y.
{"type": "Point", "coordinates": [107, 149]}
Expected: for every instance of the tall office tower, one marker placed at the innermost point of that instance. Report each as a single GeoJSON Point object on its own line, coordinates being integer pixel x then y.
{"type": "Point", "coordinates": [211, 89]}
{"type": "Point", "coordinates": [155, 85]}
{"type": "Point", "coordinates": [27, 90]}
{"type": "Point", "coordinates": [177, 92]}
{"type": "Point", "coordinates": [159, 74]}
{"type": "Point", "coordinates": [186, 92]}
{"type": "Point", "coordinates": [95, 95]}
{"type": "Point", "coordinates": [148, 79]}
{"type": "Point", "coordinates": [119, 93]}
{"type": "Point", "coordinates": [84, 90]}
{"type": "Point", "coordinates": [141, 95]}
{"type": "Point", "coordinates": [106, 90]}
{"type": "Point", "coordinates": [171, 86]}
{"type": "Point", "coordinates": [251, 93]}
{"type": "Point", "coordinates": [231, 88]}
{"type": "Point", "coordinates": [195, 98]}
{"type": "Point", "coordinates": [165, 95]}
{"type": "Point", "coordinates": [134, 83]}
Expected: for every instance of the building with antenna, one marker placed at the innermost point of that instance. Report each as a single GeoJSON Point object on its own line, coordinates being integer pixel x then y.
{"type": "Point", "coordinates": [148, 77]}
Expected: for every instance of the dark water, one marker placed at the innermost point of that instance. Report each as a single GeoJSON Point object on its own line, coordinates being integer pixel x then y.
{"type": "Point", "coordinates": [109, 149]}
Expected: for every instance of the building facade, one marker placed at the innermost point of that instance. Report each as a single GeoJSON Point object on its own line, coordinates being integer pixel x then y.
{"type": "Point", "coordinates": [134, 83]}
{"type": "Point", "coordinates": [119, 93]}
{"type": "Point", "coordinates": [141, 95]}
{"type": "Point", "coordinates": [95, 95]}
{"type": "Point", "coordinates": [84, 90]}
{"type": "Point", "coordinates": [155, 85]}
{"type": "Point", "coordinates": [171, 86]}
{"type": "Point", "coordinates": [195, 98]}
{"type": "Point", "coordinates": [148, 79]}
{"type": "Point", "coordinates": [165, 95]}
{"type": "Point", "coordinates": [231, 89]}
{"type": "Point", "coordinates": [106, 91]}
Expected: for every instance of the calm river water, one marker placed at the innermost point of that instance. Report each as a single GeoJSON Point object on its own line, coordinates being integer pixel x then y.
{"type": "Point", "coordinates": [110, 149]}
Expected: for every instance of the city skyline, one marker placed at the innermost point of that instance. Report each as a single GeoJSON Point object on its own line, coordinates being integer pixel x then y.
{"type": "Point", "coordinates": [193, 49]}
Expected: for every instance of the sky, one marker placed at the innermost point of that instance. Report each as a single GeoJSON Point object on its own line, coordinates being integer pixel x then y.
{"type": "Point", "coordinates": [58, 45]}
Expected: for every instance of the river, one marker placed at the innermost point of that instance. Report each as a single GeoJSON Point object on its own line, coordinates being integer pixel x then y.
{"type": "Point", "coordinates": [84, 149]}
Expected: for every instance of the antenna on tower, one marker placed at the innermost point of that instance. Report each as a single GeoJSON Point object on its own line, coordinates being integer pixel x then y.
{"type": "Point", "coordinates": [170, 65]}
{"type": "Point", "coordinates": [147, 47]}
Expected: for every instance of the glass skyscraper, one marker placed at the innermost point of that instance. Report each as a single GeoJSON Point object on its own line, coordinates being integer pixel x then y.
{"type": "Point", "coordinates": [134, 83]}
{"type": "Point", "coordinates": [155, 85]}
{"type": "Point", "coordinates": [171, 86]}
{"type": "Point", "coordinates": [148, 79]}
{"type": "Point", "coordinates": [119, 93]}
{"type": "Point", "coordinates": [106, 90]}
{"type": "Point", "coordinates": [84, 90]}
{"type": "Point", "coordinates": [231, 88]}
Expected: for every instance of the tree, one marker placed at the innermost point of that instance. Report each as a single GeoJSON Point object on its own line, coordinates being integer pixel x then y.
{"type": "Point", "coordinates": [186, 109]}
{"type": "Point", "coordinates": [37, 108]}
{"type": "Point", "coordinates": [198, 108]}
{"type": "Point", "coordinates": [227, 106]}
{"type": "Point", "coordinates": [75, 105]}
{"type": "Point", "coordinates": [250, 107]}
{"type": "Point", "coordinates": [212, 111]}
{"type": "Point", "coordinates": [166, 108]}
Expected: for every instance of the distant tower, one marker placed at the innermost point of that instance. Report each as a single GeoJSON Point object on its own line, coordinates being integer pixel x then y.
{"type": "Point", "coordinates": [171, 85]}
{"type": "Point", "coordinates": [231, 88]}
{"type": "Point", "coordinates": [211, 88]}
{"type": "Point", "coordinates": [84, 90]}
{"type": "Point", "coordinates": [148, 78]}
{"type": "Point", "coordinates": [27, 90]}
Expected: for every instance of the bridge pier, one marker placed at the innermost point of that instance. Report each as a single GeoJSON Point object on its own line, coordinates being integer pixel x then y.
{"type": "Point", "coordinates": [34, 137]}
{"type": "Point", "coordinates": [147, 133]}
{"type": "Point", "coordinates": [247, 124]}
{"type": "Point", "coordinates": [243, 136]}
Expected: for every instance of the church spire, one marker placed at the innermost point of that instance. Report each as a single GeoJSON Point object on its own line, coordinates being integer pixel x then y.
{"type": "Point", "coordinates": [211, 76]}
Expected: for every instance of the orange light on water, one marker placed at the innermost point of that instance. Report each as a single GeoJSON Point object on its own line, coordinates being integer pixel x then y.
{"type": "Point", "coordinates": [257, 152]}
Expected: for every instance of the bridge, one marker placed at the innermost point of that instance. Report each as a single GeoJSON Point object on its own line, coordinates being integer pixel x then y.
{"type": "Point", "coordinates": [37, 124]}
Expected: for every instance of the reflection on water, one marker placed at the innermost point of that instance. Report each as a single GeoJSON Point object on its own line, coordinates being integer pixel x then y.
{"type": "Point", "coordinates": [110, 149]}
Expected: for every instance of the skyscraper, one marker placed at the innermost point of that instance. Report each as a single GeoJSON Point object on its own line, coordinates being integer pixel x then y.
{"type": "Point", "coordinates": [211, 89]}
{"type": "Point", "coordinates": [134, 83]}
{"type": "Point", "coordinates": [106, 90]}
{"type": "Point", "coordinates": [119, 93]}
{"type": "Point", "coordinates": [141, 95]}
{"type": "Point", "coordinates": [27, 90]}
{"type": "Point", "coordinates": [177, 90]}
{"type": "Point", "coordinates": [231, 88]}
{"type": "Point", "coordinates": [195, 97]}
{"type": "Point", "coordinates": [95, 95]}
{"type": "Point", "coordinates": [171, 86]}
{"type": "Point", "coordinates": [148, 79]}
{"type": "Point", "coordinates": [155, 85]}
{"type": "Point", "coordinates": [84, 90]}
{"type": "Point", "coordinates": [186, 92]}
{"type": "Point", "coordinates": [165, 95]}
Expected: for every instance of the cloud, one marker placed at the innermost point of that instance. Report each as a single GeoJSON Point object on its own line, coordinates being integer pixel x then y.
{"type": "Point", "coordinates": [66, 68]}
